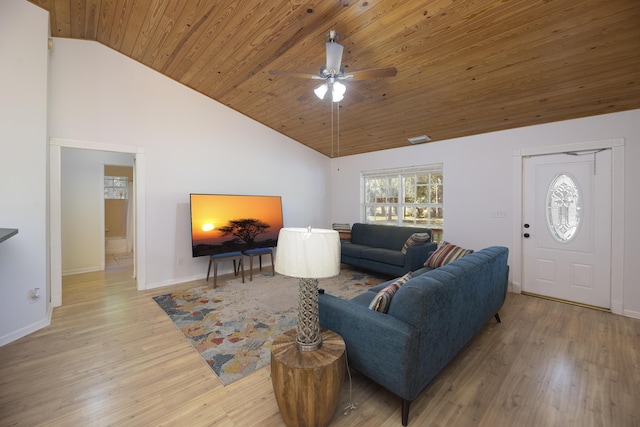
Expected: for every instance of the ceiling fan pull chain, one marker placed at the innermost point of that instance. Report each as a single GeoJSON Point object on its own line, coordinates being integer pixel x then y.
{"type": "Point", "coordinates": [338, 107]}
{"type": "Point", "coordinates": [332, 156]}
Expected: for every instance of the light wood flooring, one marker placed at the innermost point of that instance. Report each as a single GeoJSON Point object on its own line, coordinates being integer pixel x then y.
{"type": "Point", "coordinates": [112, 357]}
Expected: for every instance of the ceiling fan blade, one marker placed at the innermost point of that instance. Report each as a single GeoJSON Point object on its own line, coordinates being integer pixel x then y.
{"type": "Point", "coordinates": [294, 74]}
{"type": "Point", "coordinates": [373, 73]}
{"type": "Point", "coordinates": [334, 57]}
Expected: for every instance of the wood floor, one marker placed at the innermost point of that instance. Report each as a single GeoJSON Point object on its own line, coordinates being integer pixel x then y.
{"type": "Point", "coordinates": [112, 357]}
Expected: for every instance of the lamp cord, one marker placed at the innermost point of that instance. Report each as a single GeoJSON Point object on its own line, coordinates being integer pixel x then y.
{"type": "Point", "coordinates": [351, 405]}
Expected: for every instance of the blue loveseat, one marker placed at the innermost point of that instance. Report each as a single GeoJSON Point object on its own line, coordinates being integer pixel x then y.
{"type": "Point", "coordinates": [379, 248]}
{"type": "Point", "coordinates": [430, 319]}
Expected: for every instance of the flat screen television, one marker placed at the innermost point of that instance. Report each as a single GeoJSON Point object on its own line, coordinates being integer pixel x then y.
{"type": "Point", "coordinates": [227, 223]}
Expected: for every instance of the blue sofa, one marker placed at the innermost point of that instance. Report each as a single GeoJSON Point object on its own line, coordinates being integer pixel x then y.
{"type": "Point", "coordinates": [430, 319]}
{"type": "Point", "coordinates": [379, 248]}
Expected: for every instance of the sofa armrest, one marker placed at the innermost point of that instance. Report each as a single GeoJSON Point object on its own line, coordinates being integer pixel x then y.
{"type": "Point", "coordinates": [416, 256]}
{"type": "Point", "coordinates": [379, 346]}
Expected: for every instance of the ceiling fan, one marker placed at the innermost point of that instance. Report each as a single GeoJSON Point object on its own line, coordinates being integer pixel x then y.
{"type": "Point", "coordinates": [332, 72]}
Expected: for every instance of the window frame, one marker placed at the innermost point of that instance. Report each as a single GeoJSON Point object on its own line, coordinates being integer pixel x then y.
{"type": "Point", "coordinates": [395, 189]}
{"type": "Point", "coordinates": [110, 190]}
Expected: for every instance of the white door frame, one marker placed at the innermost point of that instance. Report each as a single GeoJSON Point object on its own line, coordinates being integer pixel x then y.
{"type": "Point", "coordinates": [55, 209]}
{"type": "Point", "coordinates": [617, 211]}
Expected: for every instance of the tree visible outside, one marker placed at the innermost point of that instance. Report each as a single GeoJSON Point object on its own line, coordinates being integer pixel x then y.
{"type": "Point", "coordinates": [411, 197]}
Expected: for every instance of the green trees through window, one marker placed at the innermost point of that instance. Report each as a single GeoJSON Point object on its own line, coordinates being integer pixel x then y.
{"type": "Point", "coordinates": [408, 196]}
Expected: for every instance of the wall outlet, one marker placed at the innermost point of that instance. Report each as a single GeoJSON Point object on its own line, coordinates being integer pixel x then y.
{"type": "Point", "coordinates": [34, 294]}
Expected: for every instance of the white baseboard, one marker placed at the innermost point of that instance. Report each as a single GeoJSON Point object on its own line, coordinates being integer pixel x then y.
{"type": "Point", "coordinates": [631, 313]}
{"type": "Point", "coordinates": [616, 307]}
{"type": "Point", "coordinates": [23, 332]}
{"type": "Point", "coordinates": [82, 270]}
{"type": "Point", "coordinates": [180, 281]}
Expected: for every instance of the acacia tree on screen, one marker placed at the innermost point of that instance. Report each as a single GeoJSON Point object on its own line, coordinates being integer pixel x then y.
{"type": "Point", "coordinates": [246, 229]}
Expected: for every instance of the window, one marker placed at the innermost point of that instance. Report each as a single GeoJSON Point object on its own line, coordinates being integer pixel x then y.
{"type": "Point", "coordinates": [564, 208]}
{"type": "Point", "coordinates": [115, 187]}
{"type": "Point", "coordinates": [409, 197]}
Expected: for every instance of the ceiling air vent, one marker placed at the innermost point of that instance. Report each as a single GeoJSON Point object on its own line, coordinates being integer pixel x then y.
{"type": "Point", "coordinates": [419, 139]}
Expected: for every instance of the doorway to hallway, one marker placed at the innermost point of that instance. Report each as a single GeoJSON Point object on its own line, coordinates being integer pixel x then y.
{"type": "Point", "coordinates": [56, 147]}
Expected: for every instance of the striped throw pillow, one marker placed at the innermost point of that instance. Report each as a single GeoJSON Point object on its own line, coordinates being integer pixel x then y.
{"type": "Point", "coordinates": [416, 239]}
{"type": "Point", "coordinates": [445, 254]}
{"type": "Point", "coordinates": [382, 300]}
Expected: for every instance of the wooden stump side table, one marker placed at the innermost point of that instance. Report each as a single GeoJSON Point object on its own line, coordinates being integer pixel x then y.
{"type": "Point", "coordinates": [307, 384]}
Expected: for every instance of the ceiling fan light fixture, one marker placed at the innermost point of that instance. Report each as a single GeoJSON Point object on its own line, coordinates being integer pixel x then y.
{"type": "Point", "coordinates": [339, 88]}
{"type": "Point", "coordinates": [333, 71]}
{"type": "Point", "coordinates": [321, 90]}
{"type": "Point", "coordinates": [419, 139]}
{"type": "Point", "coordinates": [337, 91]}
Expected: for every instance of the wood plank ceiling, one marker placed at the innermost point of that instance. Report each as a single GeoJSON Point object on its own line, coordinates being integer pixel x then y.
{"type": "Point", "coordinates": [464, 67]}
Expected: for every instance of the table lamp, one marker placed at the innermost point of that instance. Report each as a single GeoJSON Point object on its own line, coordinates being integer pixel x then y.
{"type": "Point", "coordinates": [308, 254]}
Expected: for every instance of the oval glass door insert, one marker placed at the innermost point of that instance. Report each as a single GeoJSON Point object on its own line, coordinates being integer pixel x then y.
{"type": "Point", "coordinates": [564, 208]}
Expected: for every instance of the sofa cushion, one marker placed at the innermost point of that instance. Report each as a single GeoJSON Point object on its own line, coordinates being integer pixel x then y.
{"type": "Point", "coordinates": [385, 256]}
{"type": "Point", "coordinates": [421, 271]}
{"type": "Point", "coordinates": [351, 249]}
{"type": "Point", "coordinates": [344, 231]}
{"type": "Point", "coordinates": [445, 254]}
{"type": "Point", "coordinates": [416, 239]}
{"type": "Point", "coordinates": [377, 288]}
{"type": "Point", "coordinates": [383, 298]}
{"type": "Point", "coordinates": [382, 236]}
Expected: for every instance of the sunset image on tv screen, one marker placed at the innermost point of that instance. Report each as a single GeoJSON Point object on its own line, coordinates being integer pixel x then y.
{"type": "Point", "coordinates": [228, 223]}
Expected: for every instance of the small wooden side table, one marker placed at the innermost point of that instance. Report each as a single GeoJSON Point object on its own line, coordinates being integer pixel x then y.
{"type": "Point", "coordinates": [307, 384]}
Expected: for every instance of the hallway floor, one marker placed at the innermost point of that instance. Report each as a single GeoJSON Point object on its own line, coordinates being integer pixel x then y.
{"type": "Point", "coordinates": [118, 260]}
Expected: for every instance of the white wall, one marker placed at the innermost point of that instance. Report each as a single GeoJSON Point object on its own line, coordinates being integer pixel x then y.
{"type": "Point", "coordinates": [82, 201]}
{"type": "Point", "coordinates": [23, 167]}
{"type": "Point", "coordinates": [478, 173]}
{"type": "Point", "coordinates": [191, 143]}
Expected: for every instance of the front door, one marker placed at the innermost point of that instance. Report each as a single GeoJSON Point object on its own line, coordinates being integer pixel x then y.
{"type": "Point", "coordinates": [566, 227]}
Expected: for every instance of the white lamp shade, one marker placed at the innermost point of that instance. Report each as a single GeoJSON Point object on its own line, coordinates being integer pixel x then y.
{"type": "Point", "coordinates": [339, 88]}
{"type": "Point", "coordinates": [321, 90]}
{"type": "Point", "coordinates": [308, 253]}
{"type": "Point", "coordinates": [337, 91]}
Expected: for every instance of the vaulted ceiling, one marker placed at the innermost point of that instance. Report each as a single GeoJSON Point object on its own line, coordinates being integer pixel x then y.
{"type": "Point", "coordinates": [464, 67]}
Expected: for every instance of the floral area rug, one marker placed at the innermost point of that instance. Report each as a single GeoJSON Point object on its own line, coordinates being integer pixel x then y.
{"type": "Point", "coordinates": [233, 325]}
